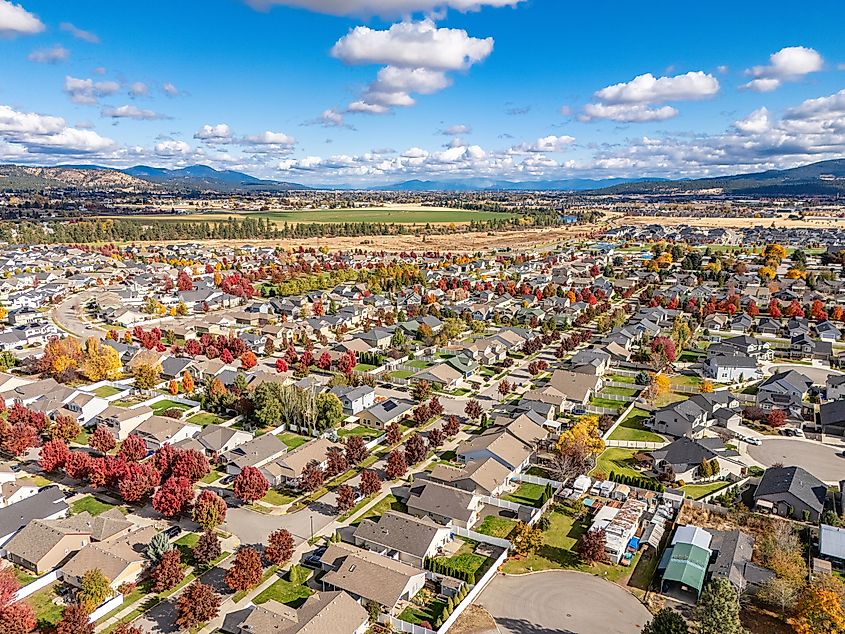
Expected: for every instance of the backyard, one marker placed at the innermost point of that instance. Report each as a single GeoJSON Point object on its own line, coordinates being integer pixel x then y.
{"type": "Point", "coordinates": [292, 440]}
{"type": "Point", "coordinates": [205, 418]}
{"type": "Point", "coordinates": [292, 592]}
{"type": "Point", "coordinates": [104, 391]}
{"type": "Point", "coordinates": [698, 491]}
{"type": "Point", "coordinates": [527, 494]}
{"type": "Point", "coordinates": [159, 407]}
{"type": "Point", "coordinates": [631, 428]}
{"type": "Point", "coordinates": [92, 505]}
{"type": "Point", "coordinates": [620, 461]}
{"type": "Point", "coordinates": [496, 526]}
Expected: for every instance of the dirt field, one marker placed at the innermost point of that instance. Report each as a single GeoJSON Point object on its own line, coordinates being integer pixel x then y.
{"type": "Point", "coordinates": [469, 242]}
{"type": "Point", "coordinates": [474, 620]}
{"type": "Point", "coordinates": [731, 223]}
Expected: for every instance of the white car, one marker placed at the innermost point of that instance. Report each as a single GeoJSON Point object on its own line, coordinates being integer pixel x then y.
{"type": "Point", "coordinates": [753, 441]}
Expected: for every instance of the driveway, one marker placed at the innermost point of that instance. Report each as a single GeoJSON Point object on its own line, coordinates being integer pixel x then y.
{"type": "Point", "coordinates": [562, 602]}
{"type": "Point", "coordinates": [823, 461]}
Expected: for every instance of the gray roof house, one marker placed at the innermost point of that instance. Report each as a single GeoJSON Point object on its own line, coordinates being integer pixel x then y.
{"type": "Point", "coordinates": [791, 492]}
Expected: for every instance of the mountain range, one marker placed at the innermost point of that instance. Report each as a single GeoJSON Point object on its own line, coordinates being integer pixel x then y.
{"type": "Point", "coordinates": [821, 178]}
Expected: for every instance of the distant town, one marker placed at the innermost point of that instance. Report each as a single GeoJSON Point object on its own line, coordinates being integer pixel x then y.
{"type": "Point", "coordinates": [639, 403]}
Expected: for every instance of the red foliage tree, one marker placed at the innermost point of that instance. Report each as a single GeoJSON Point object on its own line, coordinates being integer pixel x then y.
{"type": "Point", "coordinates": [345, 497]}
{"type": "Point", "coordinates": [65, 428]}
{"type": "Point", "coordinates": [191, 464]}
{"type": "Point", "coordinates": [209, 510]}
{"type": "Point", "coordinates": [415, 448]}
{"type": "Point", "coordinates": [325, 361]}
{"type": "Point", "coordinates": [199, 603]}
{"type": "Point", "coordinates": [281, 366]}
{"type": "Point", "coordinates": [336, 462]}
{"type": "Point", "coordinates": [370, 482]}
{"type": "Point", "coordinates": [139, 481]}
{"type": "Point", "coordinates": [173, 496]}
{"type": "Point", "coordinates": [168, 571]}
{"type": "Point", "coordinates": [74, 621]}
{"type": "Point", "coordinates": [226, 356]}
{"type": "Point", "coordinates": [776, 418]}
{"type": "Point", "coordinates": [356, 449]}
{"type": "Point", "coordinates": [452, 426]}
{"type": "Point", "coordinates": [312, 477]}
{"type": "Point", "coordinates": [504, 387]}
{"type": "Point", "coordinates": [54, 455]}
{"type": "Point", "coordinates": [77, 465]}
{"type": "Point", "coordinates": [15, 617]}
{"type": "Point", "coordinates": [133, 449]}
{"type": "Point", "coordinates": [207, 549]}
{"type": "Point", "coordinates": [394, 433]}
{"type": "Point", "coordinates": [436, 437]}
{"type": "Point", "coordinates": [102, 440]}
{"type": "Point", "coordinates": [245, 572]}
{"type": "Point", "coordinates": [396, 465]}
{"type": "Point", "coordinates": [250, 485]}
{"type": "Point", "coordinates": [279, 548]}
{"type": "Point", "coordinates": [18, 438]}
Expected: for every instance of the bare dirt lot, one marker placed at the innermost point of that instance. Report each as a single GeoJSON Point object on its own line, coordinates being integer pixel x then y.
{"type": "Point", "coordinates": [732, 223]}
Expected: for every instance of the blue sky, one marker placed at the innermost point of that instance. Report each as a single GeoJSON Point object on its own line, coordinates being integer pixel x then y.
{"type": "Point", "coordinates": [377, 91]}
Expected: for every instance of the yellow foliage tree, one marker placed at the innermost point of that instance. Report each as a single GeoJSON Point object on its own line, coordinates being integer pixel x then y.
{"type": "Point", "coordinates": [774, 251]}
{"type": "Point", "coordinates": [101, 362]}
{"type": "Point", "coordinates": [820, 610]}
{"type": "Point", "coordinates": [586, 432]}
{"type": "Point", "coordinates": [706, 387]}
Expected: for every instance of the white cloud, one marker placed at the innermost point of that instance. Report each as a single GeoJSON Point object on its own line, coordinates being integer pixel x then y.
{"type": "Point", "coordinates": [383, 7]}
{"type": "Point", "coordinates": [416, 55]}
{"type": "Point", "coordinates": [412, 45]}
{"type": "Point", "coordinates": [270, 138]}
{"type": "Point", "coordinates": [788, 64]}
{"type": "Point", "coordinates": [87, 91]}
{"type": "Point", "coordinates": [330, 118]}
{"type": "Point", "coordinates": [638, 100]}
{"type": "Point", "coordinates": [138, 89]}
{"type": "Point", "coordinates": [650, 89]}
{"type": "Point", "coordinates": [15, 20]}
{"type": "Point", "coordinates": [626, 113]}
{"type": "Point", "coordinates": [755, 123]}
{"type": "Point", "coordinates": [455, 130]}
{"type": "Point", "coordinates": [132, 112]}
{"type": "Point", "coordinates": [170, 89]}
{"type": "Point", "coordinates": [553, 143]}
{"type": "Point", "coordinates": [36, 133]}
{"type": "Point", "coordinates": [52, 55]}
{"type": "Point", "coordinates": [79, 34]}
{"type": "Point", "coordinates": [220, 133]}
{"type": "Point", "coordinates": [171, 147]}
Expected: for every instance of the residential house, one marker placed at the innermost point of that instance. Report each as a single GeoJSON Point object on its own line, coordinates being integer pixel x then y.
{"type": "Point", "coordinates": [121, 559]}
{"type": "Point", "coordinates": [354, 399]}
{"type": "Point", "coordinates": [791, 492]}
{"type": "Point", "coordinates": [121, 421]}
{"type": "Point", "coordinates": [324, 612]}
{"type": "Point", "coordinates": [159, 430]}
{"type": "Point", "coordinates": [386, 412]}
{"type": "Point", "coordinates": [256, 452]}
{"type": "Point", "coordinates": [42, 545]}
{"type": "Point", "coordinates": [287, 469]}
{"type": "Point", "coordinates": [731, 368]}
{"type": "Point", "coordinates": [49, 503]}
{"type": "Point", "coordinates": [442, 376]}
{"type": "Point", "coordinates": [682, 458]}
{"type": "Point", "coordinates": [784, 391]}
{"type": "Point", "coordinates": [404, 537]}
{"type": "Point", "coordinates": [444, 504]}
{"type": "Point", "coordinates": [691, 417]}
{"type": "Point", "coordinates": [576, 387]}
{"type": "Point", "coordinates": [487, 476]}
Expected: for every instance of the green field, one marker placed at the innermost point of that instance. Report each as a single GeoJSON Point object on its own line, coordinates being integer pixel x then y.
{"type": "Point", "coordinates": [90, 504]}
{"type": "Point", "coordinates": [698, 491]}
{"type": "Point", "coordinates": [631, 428]}
{"type": "Point", "coordinates": [620, 461]}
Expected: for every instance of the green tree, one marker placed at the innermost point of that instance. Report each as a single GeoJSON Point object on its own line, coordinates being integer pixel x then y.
{"type": "Point", "coordinates": [96, 588]}
{"type": "Point", "coordinates": [666, 621]}
{"type": "Point", "coordinates": [159, 545]}
{"type": "Point", "coordinates": [717, 611]}
{"type": "Point", "coordinates": [329, 410]}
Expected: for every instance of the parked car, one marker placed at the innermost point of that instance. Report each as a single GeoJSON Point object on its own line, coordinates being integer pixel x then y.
{"type": "Point", "coordinates": [753, 441]}
{"type": "Point", "coordinates": [172, 532]}
{"type": "Point", "coordinates": [312, 559]}
{"type": "Point", "coordinates": [799, 433]}
{"type": "Point", "coordinates": [228, 479]}
{"type": "Point", "coordinates": [788, 431]}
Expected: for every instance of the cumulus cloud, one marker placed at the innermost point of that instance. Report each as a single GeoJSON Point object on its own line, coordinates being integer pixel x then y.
{"type": "Point", "coordinates": [456, 130]}
{"type": "Point", "coordinates": [132, 112]}
{"type": "Point", "coordinates": [626, 113]}
{"type": "Point", "coordinates": [52, 55]}
{"type": "Point", "coordinates": [383, 7]}
{"type": "Point", "coordinates": [650, 89]}
{"type": "Point", "coordinates": [171, 148]}
{"type": "Point", "coordinates": [755, 123]}
{"type": "Point", "coordinates": [138, 89]}
{"type": "Point", "coordinates": [87, 91]}
{"type": "Point", "coordinates": [269, 138]}
{"type": "Point", "coordinates": [30, 132]}
{"type": "Point", "coordinates": [416, 55]}
{"type": "Point", "coordinates": [329, 118]}
{"type": "Point", "coordinates": [79, 34]}
{"type": "Point", "coordinates": [170, 89]}
{"type": "Point", "coordinates": [788, 64]}
{"type": "Point", "coordinates": [220, 133]}
{"type": "Point", "coordinates": [638, 100]}
{"type": "Point", "coordinates": [15, 20]}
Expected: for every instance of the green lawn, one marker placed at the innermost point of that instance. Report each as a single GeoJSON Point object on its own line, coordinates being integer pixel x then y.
{"type": "Point", "coordinates": [418, 363]}
{"type": "Point", "coordinates": [631, 428]}
{"type": "Point", "coordinates": [165, 404]}
{"type": "Point", "coordinates": [104, 391]}
{"type": "Point", "coordinates": [205, 418]}
{"type": "Point", "coordinates": [23, 576]}
{"type": "Point", "coordinates": [364, 367]}
{"type": "Point", "coordinates": [670, 397]}
{"type": "Point", "coordinates": [47, 613]}
{"type": "Point", "coordinates": [384, 505]}
{"type": "Point", "coordinates": [417, 614]}
{"type": "Point", "coordinates": [278, 498]}
{"type": "Point", "coordinates": [496, 526]}
{"type": "Point", "coordinates": [186, 544]}
{"type": "Point", "coordinates": [597, 401]}
{"type": "Point", "coordinates": [687, 380]}
{"type": "Point", "coordinates": [402, 374]}
{"type": "Point", "coordinates": [527, 494]}
{"type": "Point", "coordinates": [213, 476]}
{"type": "Point", "coordinates": [617, 460]}
{"type": "Point", "coordinates": [621, 378]}
{"type": "Point", "coordinates": [91, 504]}
{"type": "Point", "coordinates": [367, 432]}
{"type": "Point", "coordinates": [698, 491]}
{"type": "Point", "coordinates": [566, 526]}
{"type": "Point", "coordinates": [465, 559]}
{"type": "Point", "coordinates": [292, 440]}
{"type": "Point", "coordinates": [292, 594]}
{"type": "Point", "coordinates": [619, 391]}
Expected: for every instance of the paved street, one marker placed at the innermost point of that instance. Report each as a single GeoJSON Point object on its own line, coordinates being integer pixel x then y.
{"type": "Point", "coordinates": [562, 602]}
{"type": "Point", "coordinates": [823, 461]}
{"type": "Point", "coordinates": [67, 315]}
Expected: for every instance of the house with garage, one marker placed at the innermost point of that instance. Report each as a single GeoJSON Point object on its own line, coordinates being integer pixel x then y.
{"type": "Point", "coordinates": [442, 376]}
{"type": "Point", "coordinates": [386, 412]}
{"type": "Point", "coordinates": [217, 439]}
{"type": "Point", "coordinates": [445, 505]}
{"type": "Point", "coordinates": [731, 368]}
{"type": "Point", "coordinates": [256, 452]}
{"type": "Point", "coordinates": [693, 416]}
{"type": "Point", "coordinates": [323, 612]}
{"type": "Point", "coordinates": [370, 577]}
{"type": "Point", "coordinates": [121, 421]}
{"type": "Point", "coordinates": [791, 492]}
{"type": "Point", "coordinates": [404, 537]}
{"type": "Point", "coordinates": [785, 391]}
{"type": "Point", "coordinates": [487, 476]}
{"type": "Point", "coordinates": [682, 460]}
{"type": "Point", "coordinates": [354, 399]}
{"type": "Point", "coordinates": [48, 504]}
{"type": "Point", "coordinates": [288, 468]}
{"type": "Point", "coordinates": [122, 559]}
{"type": "Point", "coordinates": [159, 430]}
{"type": "Point", "coordinates": [576, 387]}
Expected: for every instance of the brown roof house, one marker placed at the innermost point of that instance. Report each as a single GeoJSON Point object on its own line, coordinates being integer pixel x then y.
{"type": "Point", "coordinates": [444, 504]}
{"type": "Point", "coordinates": [577, 387]}
{"type": "Point", "coordinates": [368, 576]}
{"type": "Point", "coordinates": [404, 537]}
{"type": "Point", "coordinates": [288, 468]}
{"type": "Point", "coordinates": [322, 613]}
{"type": "Point", "coordinates": [487, 476]}
{"type": "Point", "coordinates": [121, 421]}
{"type": "Point", "coordinates": [121, 558]}
{"type": "Point", "coordinates": [44, 544]}
{"type": "Point", "coordinates": [254, 453]}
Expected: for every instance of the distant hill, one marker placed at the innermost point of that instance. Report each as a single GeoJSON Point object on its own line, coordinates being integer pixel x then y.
{"type": "Point", "coordinates": [816, 179]}
{"type": "Point", "coordinates": [479, 184]}
{"type": "Point", "coordinates": [138, 178]}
